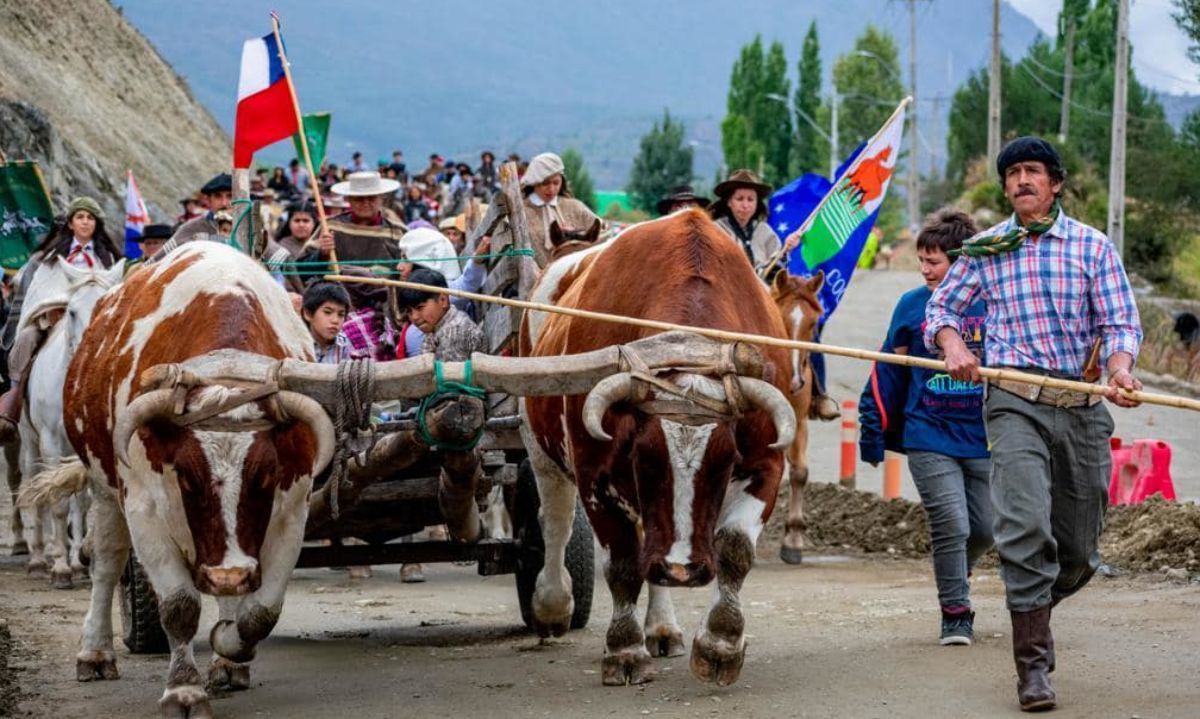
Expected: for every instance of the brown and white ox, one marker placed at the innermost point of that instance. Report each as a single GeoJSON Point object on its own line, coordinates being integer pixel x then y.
{"type": "Point", "coordinates": [675, 499]}
{"type": "Point", "coordinates": [217, 507]}
{"type": "Point", "coordinates": [799, 305]}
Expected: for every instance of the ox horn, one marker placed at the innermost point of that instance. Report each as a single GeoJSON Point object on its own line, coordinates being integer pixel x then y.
{"type": "Point", "coordinates": [767, 397]}
{"type": "Point", "coordinates": [140, 411]}
{"type": "Point", "coordinates": [305, 409]}
{"type": "Point", "coordinates": [607, 392]}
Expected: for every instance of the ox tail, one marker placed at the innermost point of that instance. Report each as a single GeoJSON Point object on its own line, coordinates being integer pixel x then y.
{"type": "Point", "coordinates": [53, 484]}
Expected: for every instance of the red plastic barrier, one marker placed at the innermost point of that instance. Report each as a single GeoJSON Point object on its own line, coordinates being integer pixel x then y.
{"type": "Point", "coordinates": [1140, 470]}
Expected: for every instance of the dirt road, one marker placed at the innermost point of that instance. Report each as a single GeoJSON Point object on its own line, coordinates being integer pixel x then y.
{"type": "Point", "coordinates": [851, 638]}
{"type": "Point", "coordinates": [848, 637]}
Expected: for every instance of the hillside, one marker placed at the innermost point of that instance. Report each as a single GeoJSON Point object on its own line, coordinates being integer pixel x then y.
{"type": "Point", "coordinates": [87, 95]}
{"type": "Point", "coordinates": [508, 75]}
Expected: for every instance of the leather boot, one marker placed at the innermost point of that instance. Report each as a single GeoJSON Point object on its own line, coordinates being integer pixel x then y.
{"type": "Point", "coordinates": [11, 403]}
{"type": "Point", "coordinates": [822, 407]}
{"type": "Point", "coordinates": [1033, 647]}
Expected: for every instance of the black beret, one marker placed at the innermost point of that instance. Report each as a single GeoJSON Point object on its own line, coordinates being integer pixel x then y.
{"type": "Point", "coordinates": [1026, 149]}
{"type": "Point", "coordinates": [222, 182]}
{"type": "Point", "coordinates": [156, 232]}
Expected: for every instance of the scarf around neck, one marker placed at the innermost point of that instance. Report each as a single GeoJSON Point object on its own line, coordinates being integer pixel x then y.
{"type": "Point", "coordinates": [1009, 241]}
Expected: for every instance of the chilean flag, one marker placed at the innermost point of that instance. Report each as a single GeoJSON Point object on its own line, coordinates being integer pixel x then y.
{"type": "Point", "coordinates": [266, 112]}
{"type": "Point", "coordinates": [136, 218]}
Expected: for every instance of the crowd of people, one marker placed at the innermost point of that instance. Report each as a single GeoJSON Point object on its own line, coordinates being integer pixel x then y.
{"type": "Point", "coordinates": [1025, 469]}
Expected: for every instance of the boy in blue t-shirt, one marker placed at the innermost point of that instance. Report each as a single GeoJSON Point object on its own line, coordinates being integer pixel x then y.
{"type": "Point", "coordinates": [938, 422]}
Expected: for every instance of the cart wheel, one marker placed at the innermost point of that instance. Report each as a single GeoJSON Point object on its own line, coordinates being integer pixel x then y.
{"type": "Point", "coordinates": [143, 632]}
{"type": "Point", "coordinates": [531, 555]}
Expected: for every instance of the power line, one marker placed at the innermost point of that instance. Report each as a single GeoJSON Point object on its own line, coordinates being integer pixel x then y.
{"type": "Point", "coordinates": [1085, 108]}
{"type": "Point", "coordinates": [1052, 71]}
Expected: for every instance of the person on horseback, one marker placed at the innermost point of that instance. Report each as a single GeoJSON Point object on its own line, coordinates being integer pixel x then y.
{"type": "Point", "coordinates": [81, 241]}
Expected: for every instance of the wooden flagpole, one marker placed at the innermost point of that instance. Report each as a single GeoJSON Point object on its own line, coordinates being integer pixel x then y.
{"type": "Point", "coordinates": [728, 336]}
{"type": "Point", "coordinates": [312, 176]}
{"type": "Point", "coordinates": [812, 216]}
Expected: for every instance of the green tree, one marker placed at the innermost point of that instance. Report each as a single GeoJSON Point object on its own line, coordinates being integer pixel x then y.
{"type": "Point", "coordinates": [578, 178]}
{"type": "Point", "coordinates": [738, 143]}
{"type": "Point", "coordinates": [663, 161]}
{"type": "Point", "coordinates": [807, 103]}
{"type": "Point", "coordinates": [1187, 15]}
{"type": "Point", "coordinates": [757, 130]}
{"type": "Point", "coordinates": [868, 81]}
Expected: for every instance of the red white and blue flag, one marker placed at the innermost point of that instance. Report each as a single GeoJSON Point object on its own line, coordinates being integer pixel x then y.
{"type": "Point", "coordinates": [266, 112]}
{"type": "Point", "coordinates": [136, 218]}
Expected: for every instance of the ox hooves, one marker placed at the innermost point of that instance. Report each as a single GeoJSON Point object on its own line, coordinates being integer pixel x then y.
{"type": "Point", "coordinates": [227, 676]}
{"type": "Point", "coordinates": [62, 580]}
{"type": "Point", "coordinates": [37, 568]}
{"type": "Point", "coordinates": [665, 640]}
{"type": "Point", "coordinates": [185, 702]}
{"type": "Point", "coordinates": [791, 555]}
{"type": "Point", "coordinates": [96, 666]}
{"type": "Point", "coordinates": [20, 549]}
{"type": "Point", "coordinates": [627, 666]}
{"type": "Point", "coordinates": [717, 661]}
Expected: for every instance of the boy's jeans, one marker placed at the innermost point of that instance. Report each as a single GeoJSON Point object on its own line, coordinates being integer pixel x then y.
{"type": "Point", "coordinates": [956, 496]}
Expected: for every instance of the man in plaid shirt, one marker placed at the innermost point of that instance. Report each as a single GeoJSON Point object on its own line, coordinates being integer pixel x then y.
{"type": "Point", "coordinates": [1057, 302]}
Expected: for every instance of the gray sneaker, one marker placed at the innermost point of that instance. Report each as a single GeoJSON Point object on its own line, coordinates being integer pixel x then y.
{"type": "Point", "coordinates": [958, 629]}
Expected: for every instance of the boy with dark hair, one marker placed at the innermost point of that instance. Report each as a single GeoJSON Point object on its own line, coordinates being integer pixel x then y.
{"type": "Point", "coordinates": [938, 422]}
{"type": "Point", "coordinates": [450, 334]}
{"type": "Point", "coordinates": [324, 311]}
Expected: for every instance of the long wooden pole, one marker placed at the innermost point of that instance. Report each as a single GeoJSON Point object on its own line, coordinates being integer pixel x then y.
{"type": "Point", "coordinates": [312, 176]}
{"type": "Point", "coordinates": [812, 216]}
{"type": "Point", "coordinates": [728, 336]}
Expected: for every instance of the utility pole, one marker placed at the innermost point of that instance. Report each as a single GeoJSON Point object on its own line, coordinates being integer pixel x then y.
{"type": "Point", "coordinates": [1068, 67]}
{"type": "Point", "coordinates": [834, 152]}
{"type": "Point", "coordinates": [914, 169]}
{"type": "Point", "coordinates": [993, 135]}
{"type": "Point", "coordinates": [1116, 169]}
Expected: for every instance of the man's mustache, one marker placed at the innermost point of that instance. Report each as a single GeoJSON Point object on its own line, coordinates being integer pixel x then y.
{"type": "Point", "coordinates": [1026, 191]}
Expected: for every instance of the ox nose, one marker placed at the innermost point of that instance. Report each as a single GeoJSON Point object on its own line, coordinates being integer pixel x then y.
{"type": "Point", "coordinates": [672, 574]}
{"type": "Point", "coordinates": [228, 581]}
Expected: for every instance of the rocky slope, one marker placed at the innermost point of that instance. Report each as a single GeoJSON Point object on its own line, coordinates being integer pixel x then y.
{"type": "Point", "coordinates": [86, 95]}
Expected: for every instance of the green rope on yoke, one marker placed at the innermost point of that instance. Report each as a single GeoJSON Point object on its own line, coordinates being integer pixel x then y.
{"type": "Point", "coordinates": [447, 389]}
{"type": "Point", "coordinates": [318, 267]}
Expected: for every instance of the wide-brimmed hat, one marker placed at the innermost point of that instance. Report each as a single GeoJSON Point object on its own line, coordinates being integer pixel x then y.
{"type": "Point", "coordinates": [682, 193]}
{"type": "Point", "coordinates": [739, 179]}
{"type": "Point", "coordinates": [365, 184]}
{"type": "Point", "coordinates": [155, 232]}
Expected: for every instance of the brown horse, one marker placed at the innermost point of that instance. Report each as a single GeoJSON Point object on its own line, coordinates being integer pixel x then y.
{"type": "Point", "coordinates": [796, 299]}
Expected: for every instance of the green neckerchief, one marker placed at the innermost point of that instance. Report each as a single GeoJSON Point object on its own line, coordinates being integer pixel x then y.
{"type": "Point", "coordinates": [1009, 241]}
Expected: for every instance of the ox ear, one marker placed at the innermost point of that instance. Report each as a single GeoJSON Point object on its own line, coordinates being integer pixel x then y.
{"type": "Point", "coordinates": [816, 281]}
{"type": "Point", "coordinates": [556, 234]}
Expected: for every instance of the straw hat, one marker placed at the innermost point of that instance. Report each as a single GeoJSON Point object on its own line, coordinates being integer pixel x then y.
{"type": "Point", "coordinates": [365, 184]}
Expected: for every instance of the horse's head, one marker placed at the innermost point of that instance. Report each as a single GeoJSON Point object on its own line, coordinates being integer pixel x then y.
{"type": "Point", "coordinates": [799, 302]}
{"type": "Point", "coordinates": [567, 242]}
{"type": "Point", "coordinates": [799, 305]}
{"type": "Point", "coordinates": [85, 288]}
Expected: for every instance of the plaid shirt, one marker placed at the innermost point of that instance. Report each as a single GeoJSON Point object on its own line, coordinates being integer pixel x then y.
{"type": "Point", "coordinates": [454, 338]}
{"type": "Point", "coordinates": [370, 335]}
{"type": "Point", "coordinates": [1047, 301]}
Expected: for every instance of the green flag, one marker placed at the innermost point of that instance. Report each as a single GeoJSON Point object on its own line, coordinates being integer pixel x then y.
{"type": "Point", "coordinates": [316, 130]}
{"type": "Point", "coordinates": [25, 212]}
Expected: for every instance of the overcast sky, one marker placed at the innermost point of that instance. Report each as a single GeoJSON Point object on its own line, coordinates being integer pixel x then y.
{"type": "Point", "coordinates": [1160, 47]}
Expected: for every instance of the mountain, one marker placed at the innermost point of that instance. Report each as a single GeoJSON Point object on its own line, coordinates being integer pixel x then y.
{"type": "Point", "coordinates": [86, 95]}
{"type": "Point", "coordinates": [1178, 107]}
{"type": "Point", "coordinates": [509, 75]}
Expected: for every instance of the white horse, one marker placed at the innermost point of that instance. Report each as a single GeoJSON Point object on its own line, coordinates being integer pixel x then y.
{"type": "Point", "coordinates": [57, 286]}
